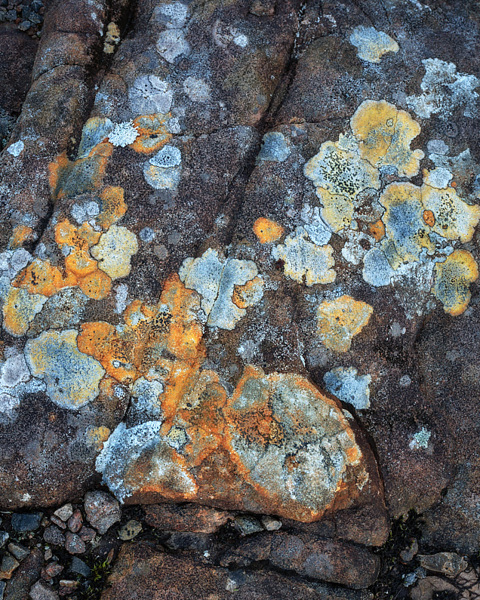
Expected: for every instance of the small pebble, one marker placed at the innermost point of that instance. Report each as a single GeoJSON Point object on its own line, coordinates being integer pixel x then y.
{"type": "Point", "coordinates": [80, 567]}
{"type": "Point", "coordinates": [65, 512]}
{"type": "Point", "coordinates": [22, 522]}
{"type": "Point", "coordinates": [24, 25]}
{"type": "Point", "coordinates": [130, 530]}
{"type": "Point", "coordinates": [3, 585]}
{"type": "Point", "coordinates": [58, 522]}
{"type": "Point", "coordinates": [247, 525]}
{"type": "Point", "coordinates": [41, 591]}
{"type": "Point", "coordinates": [75, 522]}
{"type": "Point", "coordinates": [51, 570]}
{"type": "Point", "coordinates": [87, 534]}
{"type": "Point", "coordinates": [48, 554]}
{"type": "Point", "coordinates": [102, 510]}
{"type": "Point", "coordinates": [18, 551]}
{"type": "Point", "coordinates": [3, 538]}
{"type": "Point", "coordinates": [74, 543]}
{"type": "Point", "coordinates": [271, 524]}
{"type": "Point", "coordinates": [8, 566]}
{"type": "Point", "coordinates": [11, 15]}
{"type": "Point", "coordinates": [53, 535]}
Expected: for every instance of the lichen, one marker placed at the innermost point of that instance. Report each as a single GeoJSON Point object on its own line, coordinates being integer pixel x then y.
{"type": "Point", "coordinates": [348, 386]}
{"type": "Point", "coordinates": [275, 148]}
{"type": "Point", "coordinates": [444, 91]}
{"type": "Point", "coordinates": [305, 261]}
{"type": "Point", "coordinates": [385, 134]}
{"type": "Point", "coordinates": [452, 281]}
{"type": "Point", "coordinates": [340, 320]}
{"type": "Point", "coordinates": [372, 44]}
{"type": "Point", "coordinates": [72, 378]}
{"type": "Point", "coordinates": [267, 231]}
{"type": "Point", "coordinates": [150, 95]}
{"type": "Point", "coordinates": [19, 310]}
{"type": "Point", "coordinates": [403, 219]}
{"type": "Point", "coordinates": [217, 280]}
{"type": "Point", "coordinates": [114, 251]}
{"type": "Point", "coordinates": [163, 170]}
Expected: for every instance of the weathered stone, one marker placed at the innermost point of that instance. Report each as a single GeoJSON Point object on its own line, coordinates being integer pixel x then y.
{"type": "Point", "coordinates": [188, 517]}
{"type": "Point", "coordinates": [80, 567]}
{"type": "Point", "coordinates": [8, 566]}
{"type": "Point", "coordinates": [64, 512]}
{"type": "Point", "coordinates": [447, 563]}
{"type": "Point", "coordinates": [18, 551]}
{"type": "Point", "coordinates": [130, 530]}
{"type": "Point", "coordinates": [26, 521]}
{"type": "Point", "coordinates": [74, 543]}
{"type": "Point", "coordinates": [102, 510]}
{"type": "Point", "coordinates": [40, 591]}
{"type": "Point", "coordinates": [54, 535]}
{"type": "Point", "coordinates": [24, 577]}
{"type": "Point", "coordinates": [75, 522]}
{"type": "Point", "coordinates": [51, 570]}
{"type": "Point", "coordinates": [189, 579]}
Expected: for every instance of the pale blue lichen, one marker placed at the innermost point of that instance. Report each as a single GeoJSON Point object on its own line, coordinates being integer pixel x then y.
{"type": "Point", "coordinates": [171, 44]}
{"type": "Point", "coordinates": [444, 91]}
{"type": "Point", "coordinates": [16, 149]}
{"type": "Point", "coordinates": [348, 386]}
{"type": "Point", "coordinates": [197, 89]}
{"type": "Point", "coordinates": [376, 268]}
{"type": "Point", "coordinates": [95, 131]}
{"type": "Point", "coordinates": [216, 279]}
{"type": "Point", "coordinates": [275, 148]}
{"type": "Point", "coordinates": [149, 95]}
{"type": "Point", "coordinates": [372, 44]}
{"type": "Point", "coordinates": [123, 134]}
{"type": "Point", "coordinates": [420, 439]}
{"type": "Point", "coordinates": [72, 378]}
{"type": "Point", "coordinates": [163, 170]}
{"type": "Point", "coordinates": [304, 261]}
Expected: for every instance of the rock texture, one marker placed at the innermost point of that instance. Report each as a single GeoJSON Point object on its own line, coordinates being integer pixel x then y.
{"type": "Point", "coordinates": [239, 264]}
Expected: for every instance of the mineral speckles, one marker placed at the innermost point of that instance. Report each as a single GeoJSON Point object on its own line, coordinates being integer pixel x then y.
{"type": "Point", "coordinates": [267, 231]}
{"type": "Point", "coordinates": [219, 282]}
{"type": "Point", "coordinates": [305, 261]}
{"type": "Point", "coordinates": [372, 44]}
{"type": "Point", "coordinates": [114, 251]}
{"type": "Point", "coordinates": [163, 170]}
{"type": "Point", "coordinates": [149, 95]}
{"type": "Point", "coordinates": [348, 386]}
{"type": "Point", "coordinates": [340, 320]}
{"type": "Point", "coordinates": [72, 377]}
{"type": "Point", "coordinates": [444, 91]}
{"type": "Point", "coordinates": [420, 439]}
{"type": "Point", "coordinates": [452, 281]}
{"type": "Point", "coordinates": [291, 442]}
{"type": "Point", "coordinates": [384, 134]}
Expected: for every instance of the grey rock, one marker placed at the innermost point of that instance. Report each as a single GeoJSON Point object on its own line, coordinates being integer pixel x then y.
{"type": "Point", "coordinates": [18, 551]}
{"type": "Point", "coordinates": [3, 538]}
{"type": "Point", "coordinates": [53, 535]}
{"type": "Point", "coordinates": [74, 543]}
{"type": "Point", "coordinates": [8, 566]}
{"type": "Point", "coordinates": [22, 522]}
{"type": "Point", "coordinates": [247, 525]}
{"type": "Point", "coordinates": [64, 512]}
{"type": "Point", "coordinates": [80, 567]}
{"type": "Point", "coordinates": [447, 563]}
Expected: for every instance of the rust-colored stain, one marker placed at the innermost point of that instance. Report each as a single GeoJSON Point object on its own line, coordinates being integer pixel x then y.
{"type": "Point", "coordinates": [429, 218]}
{"type": "Point", "coordinates": [377, 230]}
{"type": "Point", "coordinates": [267, 231]}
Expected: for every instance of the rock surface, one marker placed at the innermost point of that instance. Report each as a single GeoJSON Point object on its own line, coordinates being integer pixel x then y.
{"type": "Point", "coordinates": [239, 268]}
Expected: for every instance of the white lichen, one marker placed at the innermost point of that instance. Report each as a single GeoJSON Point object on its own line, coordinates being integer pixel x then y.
{"type": "Point", "coordinates": [348, 386]}
{"type": "Point", "coordinates": [372, 44]}
{"type": "Point", "coordinates": [123, 134]}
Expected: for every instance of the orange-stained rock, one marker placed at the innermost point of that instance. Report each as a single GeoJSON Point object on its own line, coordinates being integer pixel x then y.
{"type": "Point", "coordinates": [277, 445]}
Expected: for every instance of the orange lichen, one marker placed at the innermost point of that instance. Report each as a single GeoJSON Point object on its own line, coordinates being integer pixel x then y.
{"type": "Point", "coordinates": [249, 294]}
{"type": "Point", "coordinates": [20, 235]}
{"type": "Point", "coordinates": [267, 231]}
{"type": "Point", "coordinates": [56, 169]}
{"type": "Point", "coordinates": [40, 277]}
{"type": "Point", "coordinates": [377, 230]}
{"type": "Point", "coordinates": [340, 320]}
{"type": "Point", "coordinates": [97, 436]}
{"type": "Point", "coordinates": [113, 206]}
{"type": "Point", "coordinates": [96, 285]}
{"type": "Point", "coordinates": [19, 310]}
{"type": "Point", "coordinates": [429, 218]}
{"type": "Point", "coordinates": [153, 133]}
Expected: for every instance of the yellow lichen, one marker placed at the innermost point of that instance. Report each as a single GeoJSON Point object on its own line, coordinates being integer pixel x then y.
{"type": "Point", "coordinates": [267, 231]}
{"type": "Point", "coordinates": [452, 281]}
{"type": "Point", "coordinates": [20, 235]}
{"type": "Point", "coordinates": [19, 310]}
{"type": "Point", "coordinates": [114, 251]}
{"type": "Point", "coordinates": [340, 320]}
{"type": "Point", "coordinates": [453, 218]}
{"type": "Point", "coordinates": [385, 134]}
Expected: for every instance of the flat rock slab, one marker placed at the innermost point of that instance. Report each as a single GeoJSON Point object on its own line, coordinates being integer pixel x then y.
{"type": "Point", "coordinates": [239, 264]}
